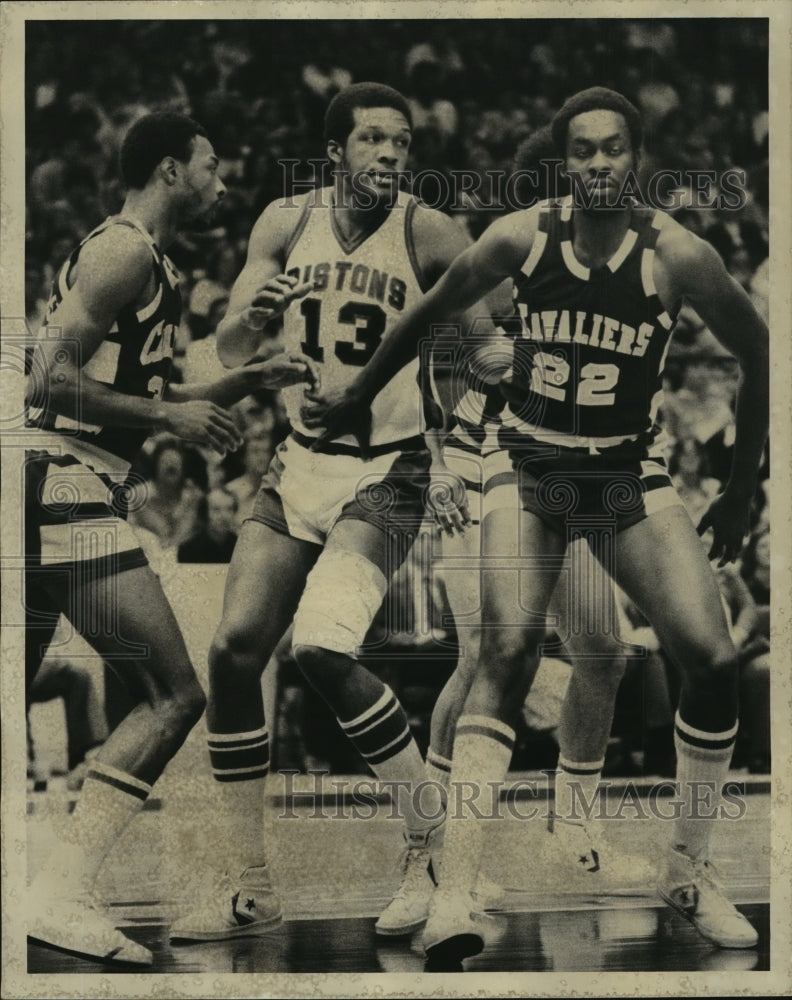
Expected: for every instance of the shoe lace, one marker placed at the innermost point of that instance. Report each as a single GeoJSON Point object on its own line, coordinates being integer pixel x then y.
{"type": "Point", "coordinates": [705, 873]}
{"type": "Point", "coordinates": [413, 862]}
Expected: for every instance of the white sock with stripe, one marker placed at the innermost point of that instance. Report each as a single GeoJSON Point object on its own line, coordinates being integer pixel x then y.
{"type": "Point", "coordinates": [382, 736]}
{"type": "Point", "coordinates": [109, 800]}
{"type": "Point", "coordinates": [482, 752]}
{"type": "Point", "coordinates": [702, 757]}
{"type": "Point", "coordinates": [438, 770]}
{"type": "Point", "coordinates": [240, 764]}
{"type": "Point", "coordinates": [576, 786]}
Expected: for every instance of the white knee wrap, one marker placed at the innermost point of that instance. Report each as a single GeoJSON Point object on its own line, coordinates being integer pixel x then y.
{"type": "Point", "coordinates": [342, 594]}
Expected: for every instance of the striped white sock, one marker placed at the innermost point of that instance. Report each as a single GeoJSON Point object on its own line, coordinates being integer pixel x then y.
{"type": "Point", "coordinates": [382, 736]}
{"type": "Point", "coordinates": [576, 785]}
{"type": "Point", "coordinates": [482, 752]}
{"type": "Point", "coordinates": [109, 800]}
{"type": "Point", "coordinates": [703, 761]}
{"type": "Point", "coordinates": [240, 763]}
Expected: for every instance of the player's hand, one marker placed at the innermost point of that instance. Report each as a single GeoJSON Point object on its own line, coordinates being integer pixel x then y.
{"type": "Point", "coordinates": [728, 517]}
{"type": "Point", "coordinates": [338, 412]}
{"type": "Point", "coordinates": [447, 500]}
{"type": "Point", "coordinates": [203, 422]}
{"type": "Point", "coordinates": [272, 299]}
{"type": "Point", "coordinates": [283, 369]}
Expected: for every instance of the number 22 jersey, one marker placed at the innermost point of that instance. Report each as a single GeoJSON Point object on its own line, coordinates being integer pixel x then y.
{"type": "Point", "coordinates": [590, 355]}
{"type": "Point", "coordinates": [360, 288]}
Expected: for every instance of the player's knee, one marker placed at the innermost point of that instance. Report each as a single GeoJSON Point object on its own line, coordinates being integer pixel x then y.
{"type": "Point", "coordinates": [324, 669]}
{"type": "Point", "coordinates": [510, 648]}
{"type": "Point", "coordinates": [234, 651]}
{"type": "Point", "coordinates": [181, 710]}
{"type": "Point", "coordinates": [713, 667]}
{"type": "Point", "coordinates": [606, 667]}
{"type": "Point", "coordinates": [342, 595]}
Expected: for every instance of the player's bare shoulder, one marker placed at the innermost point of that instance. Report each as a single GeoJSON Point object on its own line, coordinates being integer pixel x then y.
{"type": "Point", "coordinates": [437, 240]}
{"type": "Point", "coordinates": [274, 231]}
{"type": "Point", "coordinates": [116, 262]}
{"type": "Point", "coordinates": [682, 261]}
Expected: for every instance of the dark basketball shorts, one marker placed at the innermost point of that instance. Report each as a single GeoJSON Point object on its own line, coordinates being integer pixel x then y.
{"type": "Point", "coordinates": [305, 493]}
{"type": "Point", "coordinates": [74, 518]}
{"type": "Point", "coordinates": [615, 488]}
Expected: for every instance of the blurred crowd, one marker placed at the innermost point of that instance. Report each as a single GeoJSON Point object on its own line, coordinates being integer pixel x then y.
{"type": "Point", "coordinates": [477, 89]}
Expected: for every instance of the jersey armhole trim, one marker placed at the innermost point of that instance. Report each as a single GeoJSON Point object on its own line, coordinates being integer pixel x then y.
{"type": "Point", "coordinates": [299, 229]}
{"type": "Point", "coordinates": [409, 240]}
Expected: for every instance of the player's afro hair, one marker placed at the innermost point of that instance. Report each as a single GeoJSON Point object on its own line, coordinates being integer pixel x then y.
{"type": "Point", "coordinates": [595, 99]}
{"type": "Point", "coordinates": [340, 118]}
{"type": "Point", "coordinates": [151, 139]}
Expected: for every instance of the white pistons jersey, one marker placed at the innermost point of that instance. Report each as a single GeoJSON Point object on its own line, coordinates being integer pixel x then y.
{"type": "Point", "coordinates": [360, 289]}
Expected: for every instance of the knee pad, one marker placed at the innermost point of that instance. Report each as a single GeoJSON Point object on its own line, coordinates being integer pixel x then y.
{"type": "Point", "coordinates": [342, 595]}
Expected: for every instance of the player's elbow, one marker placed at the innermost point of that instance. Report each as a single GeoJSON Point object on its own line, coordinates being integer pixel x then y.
{"type": "Point", "coordinates": [231, 350]}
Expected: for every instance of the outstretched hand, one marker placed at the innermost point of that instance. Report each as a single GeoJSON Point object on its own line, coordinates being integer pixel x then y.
{"type": "Point", "coordinates": [336, 413]}
{"type": "Point", "coordinates": [273, 298]}
{"type": "Point", "coordinates": [285, 369]}
{"type": "Point", "coordinates": [447, 501]}
{"type": "Point", "coordinates": [729, 518]}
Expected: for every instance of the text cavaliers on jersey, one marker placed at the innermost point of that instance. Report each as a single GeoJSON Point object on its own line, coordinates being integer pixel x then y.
{"type": "Point", "coordinates": [360, 289]}
{"type": "Point", "coordinates": [591, 351]}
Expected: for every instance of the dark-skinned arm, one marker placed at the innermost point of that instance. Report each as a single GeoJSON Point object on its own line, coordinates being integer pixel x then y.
{"type": "Point", "coordinates": [471, 277]}
{"type": "Point", "coordinates": [730, 315]}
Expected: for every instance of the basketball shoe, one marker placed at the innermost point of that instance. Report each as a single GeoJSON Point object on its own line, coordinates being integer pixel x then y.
{"type": "Point", "coordinates": [242, 908]}
{"type": "Point", "coordinates": [78, 925]}
{"type": "Point", "coordinates": [693, 888]}
{"type": "Point", "coordinates": [409, 908]}
{"type": "Point", "coordinates": [451, 933]}
{"type": "Point", "coordinates": [580, 849]}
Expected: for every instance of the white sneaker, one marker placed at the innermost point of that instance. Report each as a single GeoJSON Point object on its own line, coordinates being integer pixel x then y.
{"type": "Point", "coordinates": [693, 888]}
{"type": "Point", "coordinates": [451, 933]}
{"type": "Point", "coordinates": [409, 908]}
{"type": "Point", "coordinates": [79, 926]}
{"type": "Point", "coordinates": [488, 894]}
{"type": "Point", "coordinates": [583, 853]}
{"type": "Point", "coordinates": [241, 908]}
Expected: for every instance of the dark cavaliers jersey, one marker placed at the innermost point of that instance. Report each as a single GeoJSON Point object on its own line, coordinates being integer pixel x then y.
{"type": "Point", "coordinates": [135, 358]}
{"type": "Point", "coordinates": [589, 358]}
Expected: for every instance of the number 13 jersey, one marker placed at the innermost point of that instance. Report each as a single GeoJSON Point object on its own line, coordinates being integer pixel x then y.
{"type": "Point", "coordinates": [592, 348]}
{"type": "Point", "coordinates": [360, 288]}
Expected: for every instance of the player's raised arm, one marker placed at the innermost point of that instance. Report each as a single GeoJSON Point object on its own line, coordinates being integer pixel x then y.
{"type": "Point", "coordinates": [261, 292]}
{"type": "Point", "coordinates": [471, 277]}
{"type": "Point", "coordinates": [701, 277]}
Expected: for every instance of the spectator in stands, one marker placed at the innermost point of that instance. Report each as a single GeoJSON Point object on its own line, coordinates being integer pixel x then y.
{"type": "Point", "coordinates": [170, 509]}
{"type": "Point", "coordinates": [215, 539]}
{"type": "Point", "coordinates": [689, 473]}
{"type": "Point", "coordinates": [257, 455]}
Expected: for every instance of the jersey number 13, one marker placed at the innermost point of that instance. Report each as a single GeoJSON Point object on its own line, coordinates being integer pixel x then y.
{"type": "Point", "coordinates": [368, 320]}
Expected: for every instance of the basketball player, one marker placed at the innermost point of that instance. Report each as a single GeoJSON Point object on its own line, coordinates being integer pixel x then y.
{"type": "Point", "coordinates": [327, 531]}
{"type": "Point", "coordinates": [474, 461]}
{"type": "Point", "coordinates": [99, 385]}
{"type": "Point", "coordinates": [598, 282]}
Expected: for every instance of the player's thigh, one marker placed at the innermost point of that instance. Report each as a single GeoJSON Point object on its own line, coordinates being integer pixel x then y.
{"type": "Point", "coordinates": [265, 581]}
{"type": "Point", "coordinates": [128, 621]}
{"type": "Point", "coordinates": [663, 568]}
{"type": "Point", "coordinates": [458, 564]}
{"type": "Point", "coordinates": [582, 608]}
{"type": "Point", "coordinates": [523, 558]}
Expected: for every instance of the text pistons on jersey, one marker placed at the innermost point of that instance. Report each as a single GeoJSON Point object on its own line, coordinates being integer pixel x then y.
{"type": "Point", "coordinates": [591, 329]}
{"type": "Point", "coordinates": [359, 279]}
